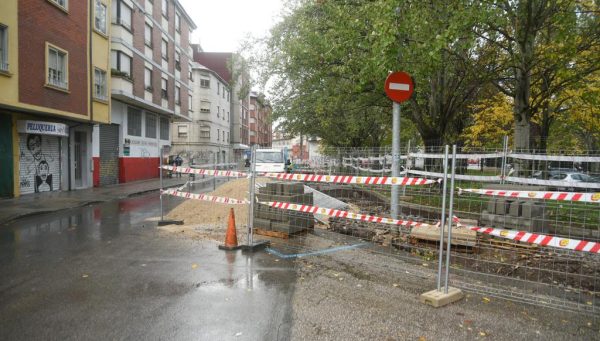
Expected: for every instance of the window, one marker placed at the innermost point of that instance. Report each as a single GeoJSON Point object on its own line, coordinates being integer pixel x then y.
{"type": "Point", "coordinates": [62, 3]}
{"type": "Point", "coordinates": [148, 79]}
{"type": "Point", "coordinates": [228, 116]}
{"type": "Point", "coordinates": [100, 17]}
{"type": "Point", "coordinates": [223, 135]}
{"type": "Point", "coordinates": [218, 135]}
{"type": "Point", "coordinates": [218, 111]}
{"type": "Point", "coordinates": [190, 102]}
{"type": "Point", "coordinates": [228, 96]}
{"type": "Point", "coordinates": [205, 83]}
{"type": "Point", "coordinates": [163, 88]}
{"type": "Point", "coordinates": [164, 48]}
{"type": "Point", "coordinates": [223, 92]}
{"type": "Point", "coordinates": [205, 133]}
{"type": "Point", "coordinates": [148, 35]}
{"type": "Point", "coordinates": [165, 8]}
{"type": "Point", "coordinates": [227, 136]}
{"type": "Point", "coordinates": [177, 95]}
{"type": "Point", "coordinates": [3, 48]}
{"type": "Point", "coordinates": [205, 107]}
{"type": "Point", "coordinates": [58, 61]}
{"type": "Point", "coordinates": [122, 14]}
{"type": "Point", "coordinates": [177, 22]}
{"type": "Point", "coordinates": [100, 84]}
{"type": "Point", "coordinates": [150, 125]}
{"type": "Point", "coordinates": [223, 114]}
{"type": "Point", "coordinates": [190, 76]}
{"type": "Point", "coordinates": [182, 131]}
{"type": "Point", "coordinates": [177, 60]}
{"type": "Point", "coordinates": [121, 62]}
{"type": "Point", "coordinates": [134, 121]}
{"type": "Point", "coordinates": [164, 128]}
{"type": "Point", "coordinates": [218, 88]}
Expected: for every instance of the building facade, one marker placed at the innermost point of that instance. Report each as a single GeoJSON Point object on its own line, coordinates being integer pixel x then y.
{"type": "Point", "coordinates": [259, 126]}
{"type": "Point", "coordinates": [151, 87]}
{"type": "Point", "coordinates": [206, 139]}
{"type": "Point", "coordinates": [231, 67]}
{"type": "Point", "coordinates": [54, 81]}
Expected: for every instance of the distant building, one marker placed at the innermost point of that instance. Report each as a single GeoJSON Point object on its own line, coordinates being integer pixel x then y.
{"type": "Point", "coordinates": [231, 68]}
{"type": "Point", "coordinates": [297, 146]}
{"type": "Point", "coordinates": [259, 127]}
{"type": "Point", "coordinates": [206, 139]}
{"type": "Point", "coordinates": [54, 86]}
{"type": "Point", "coordinates": [152, 87]}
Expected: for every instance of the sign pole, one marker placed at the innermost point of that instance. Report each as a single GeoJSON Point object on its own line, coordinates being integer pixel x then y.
{"type": "Point", "coordinates": [395, 157]}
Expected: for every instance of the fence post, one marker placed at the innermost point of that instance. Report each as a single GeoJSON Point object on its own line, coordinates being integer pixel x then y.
{"type": "Point", "coordinates": [442, 220]}
{"type": "Point", "coordinates": [504, 157]}
{"type": "Point", "coordinates": [252, 246]}
{"type": "Point", "coordinates": [450, 218]}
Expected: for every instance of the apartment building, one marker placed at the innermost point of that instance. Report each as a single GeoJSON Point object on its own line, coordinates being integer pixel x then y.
{"type": "Point", "coordinates": [206, 139]}
{"type": "Point", "coordinates": [259, 128]}
{"type": "Point", "coordinates": [151, 88]}
{"type": "Point", "coordinates": [54, 83]}
{"type": "Point", "coordinates": [232, 69]}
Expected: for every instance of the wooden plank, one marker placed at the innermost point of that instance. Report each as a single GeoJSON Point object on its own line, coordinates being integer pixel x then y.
{"type": "Point", "coordinates": [460, 236]}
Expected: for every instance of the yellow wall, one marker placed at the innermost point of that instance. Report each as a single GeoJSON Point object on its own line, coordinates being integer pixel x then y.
{"type": "Point", "coordinates": [101, 60]}
{"type": "Point", "coordinates": [9, 86]}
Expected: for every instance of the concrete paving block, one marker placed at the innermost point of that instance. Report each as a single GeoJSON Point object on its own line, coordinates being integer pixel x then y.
{"type": "Point", "coordinates": [514, 209]}
{"type": "Point", "coordinates": [501, 206]}
{"type": "Point", "coordinates": [263, 224]}
{"type": "Point", "coordinates": [438, 299]}
{"type": "Point", "coordinates": [293, 188]}
{"type": "Point", "coordinates": [491, 207]}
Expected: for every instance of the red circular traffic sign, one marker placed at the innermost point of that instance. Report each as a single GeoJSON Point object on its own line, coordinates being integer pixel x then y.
{"type": "Point", "coordinates": [399, 86]}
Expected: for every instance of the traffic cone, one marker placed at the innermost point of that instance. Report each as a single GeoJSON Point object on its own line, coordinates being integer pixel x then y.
{"type": "Point", "coordinates": [231, 242]}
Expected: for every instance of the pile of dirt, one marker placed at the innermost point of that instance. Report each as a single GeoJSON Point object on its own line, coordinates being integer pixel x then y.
{"type": "Point", "coordinates": [209, 213]}
{"type": "Point", "coordinates": [208, 220]}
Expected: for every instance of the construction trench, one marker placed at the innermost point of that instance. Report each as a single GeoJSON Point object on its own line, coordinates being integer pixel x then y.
{"type": "Point", "coordinates": [506, 265]}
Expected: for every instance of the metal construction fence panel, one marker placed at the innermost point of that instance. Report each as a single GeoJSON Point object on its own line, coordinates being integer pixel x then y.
{"type": "Point", "coordinates": [524, 227]}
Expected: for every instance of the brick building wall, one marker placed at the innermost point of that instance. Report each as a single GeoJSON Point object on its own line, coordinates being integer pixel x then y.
{"type": "Point", "coordinates": [41, 22]}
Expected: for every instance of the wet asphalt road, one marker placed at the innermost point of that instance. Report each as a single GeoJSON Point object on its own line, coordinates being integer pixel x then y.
{"type": "Point", "coordinates": [104, 273]}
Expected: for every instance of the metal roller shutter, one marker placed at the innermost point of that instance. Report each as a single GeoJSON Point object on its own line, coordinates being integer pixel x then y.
{"type": "Point", "coordinates": [109, 154]}
{"type": "Point", "coordinates": [39, 163]}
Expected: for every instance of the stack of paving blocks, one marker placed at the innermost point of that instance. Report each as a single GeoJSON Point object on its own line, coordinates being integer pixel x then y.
{"type": "Point", "coordinates": [278, 220]}
{"type": "Point", "coordinates": [524, 215]}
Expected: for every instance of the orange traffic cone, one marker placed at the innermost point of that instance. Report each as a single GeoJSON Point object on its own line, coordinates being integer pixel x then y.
{"type": "Point", "coordinates": [231, 242]}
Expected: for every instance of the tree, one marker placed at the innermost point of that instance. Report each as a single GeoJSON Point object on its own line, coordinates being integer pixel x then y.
{"type": "Point", "coordinates": [329, 60]}
{"type": "Point", "coordinates": [492, 120]}
{"type": "Point", "coordinates": [541, 47]}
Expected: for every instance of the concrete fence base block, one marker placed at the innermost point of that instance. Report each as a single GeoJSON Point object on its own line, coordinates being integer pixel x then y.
{"type": "Point", "coordinates": [256, 246]}
{"type": "Point", "coordinates": [169, 222]}
{"type": "Point", "coordinates": [438, 299]}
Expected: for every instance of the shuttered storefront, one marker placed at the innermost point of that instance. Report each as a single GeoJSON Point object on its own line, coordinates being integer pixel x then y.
{"type": "Point", "coordinates": [39, 163]}
{"type": "Point", "coordinates": [109, 154]}
{"type": "Point", "coordinates": [6, 156]}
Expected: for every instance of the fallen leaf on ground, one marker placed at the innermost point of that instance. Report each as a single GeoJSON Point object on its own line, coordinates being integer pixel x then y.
{"type": "Point", "coordinates": [84, 276]}
{"type": "Point", "coordinates": [486, 300]}
{"type": "Point", "coordinates": [482, 334]}
{"type": "Point", "coordinates": [194, 266]}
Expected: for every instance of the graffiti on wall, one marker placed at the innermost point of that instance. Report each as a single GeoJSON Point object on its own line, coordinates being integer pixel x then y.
{"type": "Point", "coordinates": [39, 163]}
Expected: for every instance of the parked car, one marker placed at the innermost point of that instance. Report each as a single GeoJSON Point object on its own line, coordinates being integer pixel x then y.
{"type": "Point", "coordinates": [574, 177]}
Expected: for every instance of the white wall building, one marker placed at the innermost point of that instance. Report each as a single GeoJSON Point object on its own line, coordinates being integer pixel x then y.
{"type": "Point", "coordinates": [207, 139]}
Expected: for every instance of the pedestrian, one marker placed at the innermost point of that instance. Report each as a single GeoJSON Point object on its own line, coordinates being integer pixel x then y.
{"type": "Point", "coordinates": [178, 163]}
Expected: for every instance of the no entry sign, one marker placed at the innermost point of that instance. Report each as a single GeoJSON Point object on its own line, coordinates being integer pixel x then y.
{"type": "Point", "coordinates": [399, 86]}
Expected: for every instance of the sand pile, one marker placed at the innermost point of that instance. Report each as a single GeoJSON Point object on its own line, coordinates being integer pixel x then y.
{"type": "Point", "coordinates": [207, 220]}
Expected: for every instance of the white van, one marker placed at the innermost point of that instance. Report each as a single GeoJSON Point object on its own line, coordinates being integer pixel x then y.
{"type": "Point", "coordinates": [270, 161]}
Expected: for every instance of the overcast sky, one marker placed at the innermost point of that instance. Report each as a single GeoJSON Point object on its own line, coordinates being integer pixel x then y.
{"type": "Point", "coordinates": [223, 24]}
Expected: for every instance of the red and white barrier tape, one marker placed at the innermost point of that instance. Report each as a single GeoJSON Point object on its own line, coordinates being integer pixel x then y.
{"type": "Point", "coordinates": [342, 179]}
{"type": "Point", "coordinates": [521, 236]}
{"type": "Point", "coordinates": [341, 214]}
{"type": "Point", "coordinates": [188, 170]}
{"type": "Point", "coordinates": [562, 196]}
{"type": "Point", "coordinates": [540, 239]}
{"type": "Point", "coordinates": [204, 197]}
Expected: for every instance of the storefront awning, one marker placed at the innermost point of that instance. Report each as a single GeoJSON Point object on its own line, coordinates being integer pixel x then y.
{"type": "Point", "coordinates": [240, 146]}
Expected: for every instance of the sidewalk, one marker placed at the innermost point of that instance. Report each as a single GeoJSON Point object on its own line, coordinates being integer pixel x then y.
{"type": "Point", "coordinates": [39, 203]}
